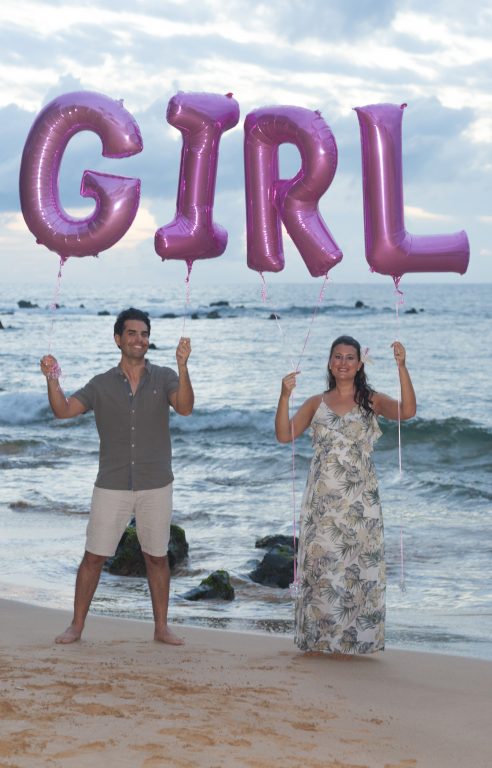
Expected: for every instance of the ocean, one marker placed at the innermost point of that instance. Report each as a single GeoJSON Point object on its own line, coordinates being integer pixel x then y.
{"type": "Point", "coordinates": [233, 482]}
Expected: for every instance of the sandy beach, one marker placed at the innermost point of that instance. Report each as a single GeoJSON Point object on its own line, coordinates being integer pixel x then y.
{"type": "Point", "coordinates": [227, 699]}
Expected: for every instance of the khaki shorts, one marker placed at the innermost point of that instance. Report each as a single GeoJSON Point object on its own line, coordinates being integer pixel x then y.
{"type": "Point", "coordinates": [111, 511]}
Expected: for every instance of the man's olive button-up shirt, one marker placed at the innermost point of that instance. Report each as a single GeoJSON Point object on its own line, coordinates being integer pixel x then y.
{"type": "Point", "coordinates": [135, 443]}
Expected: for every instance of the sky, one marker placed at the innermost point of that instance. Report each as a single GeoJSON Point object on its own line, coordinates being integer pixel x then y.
{"type": "Point", "coordinates": [327, 55]}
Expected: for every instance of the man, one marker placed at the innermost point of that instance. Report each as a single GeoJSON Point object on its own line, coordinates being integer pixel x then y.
{"type": "Point", "coordinates": [131, 407]}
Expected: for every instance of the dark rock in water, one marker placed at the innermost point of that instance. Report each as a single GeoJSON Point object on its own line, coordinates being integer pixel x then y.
{"type": "Point", "coordinates": [220, 303]}
{"type": "Point", "coordinates": [152, 345]}
{"type": "Point", "coordinates": [23, 304]}
{"type": "Point", "coordinates": [275, 540]}
{"type": "Point", "coordinates": [277, 567]}
{"type": "Point", "coordinates": [274, 316]}
{"type": "Point", "coordinates": [129, 560]}
{"type": "Point", "coordinates": [18, 505]}
{"type": "Point", "coordinates": [2, 327]}
{"type": "Point", "coordinates": [177, 549]}
{"type": "Point", "coordinates": [411, 311]}
{"type": "Point", "coordinates": [194, 316]}
{"type": "Point", "coordinates": [213, 315]}
{"type": "Point", "coordinates": [217, 586]}
{"type": "Point", "coordinates": [81, 306]}
{"type": "Point", "coordinates": [359, 304]}
{"type": "Point", "coordinates": [103, 313]}
{"type": "Point", "coordinates": [168, 315]}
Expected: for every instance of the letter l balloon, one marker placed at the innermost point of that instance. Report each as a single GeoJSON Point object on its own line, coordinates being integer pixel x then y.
{"type": "Point", "coordinates": [390, 249]}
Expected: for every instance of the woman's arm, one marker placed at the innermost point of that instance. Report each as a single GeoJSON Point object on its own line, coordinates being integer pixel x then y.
{"type": "Point", "coordinates": [286, 428]}
{"type": "Point", "coordinates": [388, 407]}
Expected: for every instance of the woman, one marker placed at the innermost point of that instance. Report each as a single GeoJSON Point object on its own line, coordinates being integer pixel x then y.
{"type": "Point", "coordinates": [340, 608]}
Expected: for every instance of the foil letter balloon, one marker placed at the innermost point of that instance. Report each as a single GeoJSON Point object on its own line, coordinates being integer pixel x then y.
{"type": "Point", "coordinates": [202, 118]}
{"type": "Point", "coordinates": [390, 249]}
{"type": "Point", "coordinates": [271, 200]}
{"type": "Point", "coordinates": [116, 197]}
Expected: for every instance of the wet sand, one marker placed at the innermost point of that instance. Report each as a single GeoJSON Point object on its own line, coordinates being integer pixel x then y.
{"type": "Point", "coordinates": [227, 699]}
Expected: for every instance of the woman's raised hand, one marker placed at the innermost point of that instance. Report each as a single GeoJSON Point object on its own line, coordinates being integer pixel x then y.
{"type": "Point", "coordinates": [400, 353]}
{"type": "Point", "coordinates": [289, 383]}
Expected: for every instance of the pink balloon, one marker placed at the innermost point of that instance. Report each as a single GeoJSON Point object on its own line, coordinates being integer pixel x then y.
{"type": "Point", "coordinates": [202, 118]}
{"type": "Point", "coordinates": [116, 197]}
{"type": "Point", "coordinates": [270, 200]}
{"type": "Point", "coordinates": [390, 249]}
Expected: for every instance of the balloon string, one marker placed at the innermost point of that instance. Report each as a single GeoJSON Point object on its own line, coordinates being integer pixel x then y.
{"type": "Point", "coordinates": [399, 302]}
{"type": "Point", "coordinates": [294, 587]}
{"type": "Point", "coordinates": [189, 264]}
{"type": "Point", "coordinates": [276, 316]}
{"type": "Point", "coordinates": [313, 317]}
{"type": "Point", "coordinates": [54, 304]}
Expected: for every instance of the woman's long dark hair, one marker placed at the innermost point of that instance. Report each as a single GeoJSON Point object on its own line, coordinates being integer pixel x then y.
{"type": "Point", "coordinates": [363, 392]}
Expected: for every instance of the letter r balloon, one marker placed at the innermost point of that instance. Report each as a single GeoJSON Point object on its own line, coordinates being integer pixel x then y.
{"type": "Point", "coordinates": [116, 197]}
{"type": "Point", "coordinates": [202, 118]}
{"type": "Point", "coordinates": [270, 200]}
{"type": "Point", "coordinates": [390, 249]}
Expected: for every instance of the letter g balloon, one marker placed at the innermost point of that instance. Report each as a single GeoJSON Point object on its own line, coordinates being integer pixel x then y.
{"type": "Point", "coordinates": [116, 197]}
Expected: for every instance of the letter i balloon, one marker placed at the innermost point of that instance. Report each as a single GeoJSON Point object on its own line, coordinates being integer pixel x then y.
{"type": "Point", "coordinates": [202, 118]}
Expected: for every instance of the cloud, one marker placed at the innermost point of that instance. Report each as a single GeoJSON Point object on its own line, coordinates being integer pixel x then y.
{"type": "Point", "coordinates": [414, 212]}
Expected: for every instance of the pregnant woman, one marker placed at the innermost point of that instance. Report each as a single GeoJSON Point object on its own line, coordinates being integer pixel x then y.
{"type": "Point", "coordinates": [340, 606]}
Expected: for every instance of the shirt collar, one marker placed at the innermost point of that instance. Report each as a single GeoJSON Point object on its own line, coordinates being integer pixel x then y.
{"type": "Point", "coordinates": [117, 369]}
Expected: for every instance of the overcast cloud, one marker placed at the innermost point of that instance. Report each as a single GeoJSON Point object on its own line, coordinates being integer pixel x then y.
{"type": "Point", "coordinates": [317, 54]}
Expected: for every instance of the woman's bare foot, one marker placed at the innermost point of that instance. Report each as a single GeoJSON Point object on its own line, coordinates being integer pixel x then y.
{"type": "Point", "coordinates": [71, 635]}
{"type": "Point", "coordinates": [167, 636]}
{"type": "Point", "coordinates": [329, 655]}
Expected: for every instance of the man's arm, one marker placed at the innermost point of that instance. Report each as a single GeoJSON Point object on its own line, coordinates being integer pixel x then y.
{"type": "Point", "coordinates": [183, 398]}
{"type": "Point", "coordinates": [63, 407]}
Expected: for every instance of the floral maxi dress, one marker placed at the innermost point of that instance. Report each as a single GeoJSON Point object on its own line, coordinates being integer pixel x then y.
{"type": "Point", "coordinates": [340, 606]}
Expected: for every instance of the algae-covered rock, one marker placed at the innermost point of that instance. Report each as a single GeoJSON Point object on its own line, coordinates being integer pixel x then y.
{"type": "Point", "coordinates": [129, 560]}
{"type": "Point", "coordinates": [275, 540]}
{"type": "Point", "coordinates": [277, 567]}
{"type": "Point", "coordinates": [217, 586]}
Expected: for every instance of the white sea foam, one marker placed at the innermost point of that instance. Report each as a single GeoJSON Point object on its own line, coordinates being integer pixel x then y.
{"type": "Point", "coordinates": [23, 407]}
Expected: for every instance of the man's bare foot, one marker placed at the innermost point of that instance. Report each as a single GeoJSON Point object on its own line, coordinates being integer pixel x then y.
{"type": "Point", "coordinates": [71, 635]}
{"type": "Point", "coordinates": [167, 636]}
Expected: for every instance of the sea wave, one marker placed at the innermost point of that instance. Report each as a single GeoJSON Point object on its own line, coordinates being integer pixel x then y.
{"type": "Point", "coordinates": [17, 408]}
{"type": "Point", "coordinates": [446, 433]}
{"type": "Point", "coordinates": [223, 419]}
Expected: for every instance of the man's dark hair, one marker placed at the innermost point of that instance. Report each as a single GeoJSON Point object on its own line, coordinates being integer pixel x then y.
{"type": "Point", "coordinates": [130, 314]}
